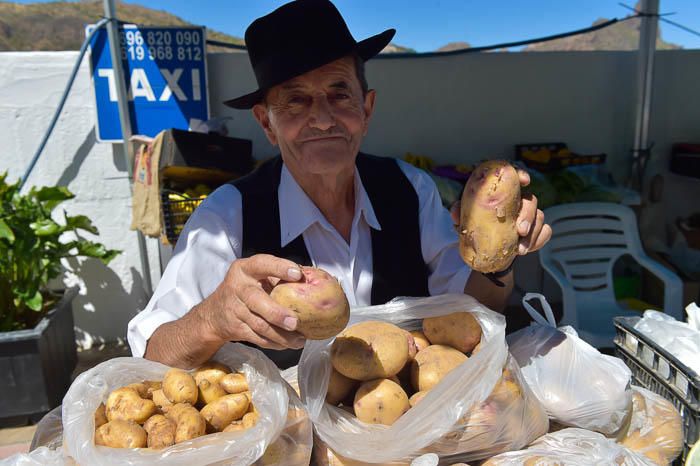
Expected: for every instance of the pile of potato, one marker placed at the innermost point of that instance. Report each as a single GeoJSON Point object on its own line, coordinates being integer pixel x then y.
{"type": "Point", "coordinates": [183, 406]}
{"type": "Point", "coordinates": [380, 371]}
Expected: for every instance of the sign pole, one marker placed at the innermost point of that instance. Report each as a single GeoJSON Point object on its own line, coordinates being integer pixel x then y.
{"type": "Point", "coordinates": [123, 104]}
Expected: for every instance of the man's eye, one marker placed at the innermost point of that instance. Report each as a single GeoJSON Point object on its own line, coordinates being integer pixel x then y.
{"type": "Point", "coordinates": [296, 99]}
{"type": "Point", "coordinates": [341, 96]}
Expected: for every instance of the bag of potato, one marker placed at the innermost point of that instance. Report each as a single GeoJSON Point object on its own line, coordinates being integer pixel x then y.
{"type": "Point", "coordinates": [655, 428]}
{"type": "Point", "coordinates": [375, 357]}
{"type": "Point", "coordinates": [237, 446]}
{"type": "Point", "coordinates": [571, 447]}
{"type": "Point", "coordinates": [577, 385]}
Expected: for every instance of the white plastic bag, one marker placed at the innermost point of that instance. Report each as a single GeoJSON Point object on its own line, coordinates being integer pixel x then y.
{"type": "Point", "coordinates": [572, 447]}
{"type": "Point", "coordinates": [655, 428]}
{"type": "Point", "coordinates": [42, 456]}
{"type": "Point", "coordinates": [678, 338]}
{"type": "Point", "coordinates": [49, 431]}
{"type": "Point", "coordinates": [231, 448]}
{"type": "Point", "coordinates": [463, 388]}
{"type": "Point", "coordinates": [577, 385]}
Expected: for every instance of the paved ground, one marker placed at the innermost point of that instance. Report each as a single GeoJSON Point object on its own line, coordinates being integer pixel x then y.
{"type": "Point", "coordinates": [17, 439]}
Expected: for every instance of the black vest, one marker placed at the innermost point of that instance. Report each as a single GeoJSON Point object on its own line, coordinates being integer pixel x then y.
{"type": "Point", "coordinates": [398, 268]}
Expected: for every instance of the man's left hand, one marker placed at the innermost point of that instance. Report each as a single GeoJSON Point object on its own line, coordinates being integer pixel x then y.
{"type": "Point", "coordinates": [534, 233]}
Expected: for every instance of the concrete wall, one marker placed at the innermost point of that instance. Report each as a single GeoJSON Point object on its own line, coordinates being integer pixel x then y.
{"type": "Point", "coordinates": [455, 109]}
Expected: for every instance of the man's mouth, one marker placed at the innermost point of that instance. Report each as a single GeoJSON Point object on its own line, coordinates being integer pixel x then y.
{"type": "Point", "coordinates": [324, 138]}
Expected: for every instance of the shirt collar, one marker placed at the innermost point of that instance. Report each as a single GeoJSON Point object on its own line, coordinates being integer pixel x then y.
{"type": "Point", "coordinates": [298, 212]}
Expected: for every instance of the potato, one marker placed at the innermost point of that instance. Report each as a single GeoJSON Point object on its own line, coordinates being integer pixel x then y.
{"type": "Point", "coordinates": [250, 419]}
{"type": "Point", "coordinates": [161, 431]}
{"type": "Point", "coordinates": [126, 404]}
{"type": "Point", "coordinates": [319, 302]}
{"type": "Point", "coordinates": [420, 340]}
{"type": "Point", "coordinates": [370, 350]}
{"type": "Point", "coordinates": [209, 391]}
{"type": "Point", "coordinates": [180, 387]}
{"type": "Point", "coordinates": [100, 416]}
{"type": "Point", "coordinates": [189, 422]}
{"type": "Point", "coordinates": [235, 426]}
{"type": "Point", "coordinates": [277, 452]}
{"type": "Point", "coordinates": [225, 410]}
{"type": "Point", "coordinates": [161, 401]}
{"type": "Point", "coordinates": [506, 392]}
{"type": "Point", "coordinates": [234, 383]}
{"type": "Point", "coordinates": [380, 401]}
{"type": "Point", "coordinates": [416, 397]}
{"type": "Point", "coordinates": [339, 387]}
{"type": "Point", "coordinates": [212, 371]}
{"type": "Point", "coordinates": [655, 429]}
{"type": "Point", "coordinates": [432, 364]}
{"type": "Point", "coordinates": [121, 434]}
{"type": "Point", "coordinates": [459, 330]}
{"type": "Point", "coordinates": [488, 234]}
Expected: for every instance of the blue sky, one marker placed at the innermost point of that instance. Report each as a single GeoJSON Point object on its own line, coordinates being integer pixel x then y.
{"type": "Point", "coordinates": [426, 25]}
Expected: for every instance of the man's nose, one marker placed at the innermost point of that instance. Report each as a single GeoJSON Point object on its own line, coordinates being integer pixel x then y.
{"type": "Point", "coordinates": [321, 114]}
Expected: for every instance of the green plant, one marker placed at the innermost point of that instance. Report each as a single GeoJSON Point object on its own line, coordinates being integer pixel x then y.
{"type": "Point", "coordinates": [32, 244]}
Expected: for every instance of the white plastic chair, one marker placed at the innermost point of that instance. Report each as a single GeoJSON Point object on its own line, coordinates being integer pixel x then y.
{"type": "Point", "coordinates": [586, 241]}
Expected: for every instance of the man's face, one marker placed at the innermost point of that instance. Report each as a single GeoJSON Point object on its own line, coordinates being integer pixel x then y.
{"type": "Point", "coordinates": [318, 119]}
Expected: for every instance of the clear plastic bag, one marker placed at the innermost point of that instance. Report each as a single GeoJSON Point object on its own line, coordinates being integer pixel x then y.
{"type": "Point", "coordinates": [49, 431]}
{"type": "Point", "coordinates": [230, 448]}
{"type": "Point", "coordinates": [572, 447]}
{"type": "Point", "coordinates": [42, 456]}
{"type": "Point", "coordinates": [440, 410]}
{"type": "Point", "coordinates": [577, 385]}
{"type": "Point", "coordinates": [655, 428]}
{"type": "Point", "coordinates": [678, 338]}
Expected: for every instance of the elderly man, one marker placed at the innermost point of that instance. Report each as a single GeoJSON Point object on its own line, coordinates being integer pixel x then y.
{"type": "Point", "coordinates": [375, 223]}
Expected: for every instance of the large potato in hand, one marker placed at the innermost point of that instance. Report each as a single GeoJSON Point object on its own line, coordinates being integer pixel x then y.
{"type": "Point", "coordinates": [370, 350]}
{"type": "Point", "coordinates": [488, 234]}
{"type": "Point", "coordinates": [319, 302]}
{"type": "Point", "coordinates": [459, 330]}
{"type": "Point", "coordinates": [432, 364]}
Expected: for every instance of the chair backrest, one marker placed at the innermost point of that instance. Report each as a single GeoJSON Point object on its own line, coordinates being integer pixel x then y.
{"type": "Point", "coordinates": [587, 239]}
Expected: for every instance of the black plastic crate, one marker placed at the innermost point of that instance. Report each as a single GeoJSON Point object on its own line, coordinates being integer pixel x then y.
{"type": "Point", "coordinates": [176, 213]}
{"type": "Point", "coordinates": [657, 370]}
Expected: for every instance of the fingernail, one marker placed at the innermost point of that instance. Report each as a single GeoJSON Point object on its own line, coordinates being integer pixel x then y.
{"type": "Point", "coordinates": [522, 249]}
{"type": "Point", "coordinates": [294, 273]}
{"type": "Point", "coordinates": [290, 323]}
{"type": "Point", "coordinates": [525, 226]}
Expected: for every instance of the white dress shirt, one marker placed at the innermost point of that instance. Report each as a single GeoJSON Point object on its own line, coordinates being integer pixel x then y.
{"type": "Point", "coordinates": [211, 241]}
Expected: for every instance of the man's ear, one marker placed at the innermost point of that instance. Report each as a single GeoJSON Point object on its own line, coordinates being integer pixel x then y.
{"type": "Point", "coordinates": [263, 118]}
{"type": "Point", "coordinates": [369, 108]}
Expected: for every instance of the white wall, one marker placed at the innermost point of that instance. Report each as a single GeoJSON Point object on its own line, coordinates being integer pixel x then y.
{"type": "Point", "coordinates": [31, 85]}
{"type": "Point", "coordinates": [456, 109]}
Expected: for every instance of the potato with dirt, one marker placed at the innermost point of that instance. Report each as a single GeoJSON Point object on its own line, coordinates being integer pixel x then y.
{"type": "Point", "coordinates": [161, 431]}
{"type": "Point", "coordinates": [370, 350]}
{"type": "Point", "coordinates": [339, 387]}
{"type": "Point", "coordinates": [420, 340]}
{"type": "Point", "coordinates": [380, 401]}
{"type": "Point", "coordinates": [180, 387]}
{"type": "Point", "coordinates": [234, 383]}
{"type": "Point", "coordinates": [459, 330]}
{"type": "Point", "coordinates": [433, 364]}
{"type": "Point", "coordinates": [225, 410]}
{"type": "Point", "coordinates": [121, 433]}
{"type": "Point", "coordinates": [125, 404]}
{"type": "Point", "coordinates": [100, 416]}
{"type": "Point", "coordinates": [188, 421]}
{"type": "Point", "coordinates": [488, 234]}
{"type": "Point", "coordinates": [318, 301]}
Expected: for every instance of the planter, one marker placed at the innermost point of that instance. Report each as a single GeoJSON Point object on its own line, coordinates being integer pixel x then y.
{"type": "Point", "coordinates": [37, 365]}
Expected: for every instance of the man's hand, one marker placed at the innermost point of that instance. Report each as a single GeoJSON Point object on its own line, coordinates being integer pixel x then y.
{"type": "Point", "coordinates": [533, 231]}
{"type": "Point", "coordinates": [241, 308]}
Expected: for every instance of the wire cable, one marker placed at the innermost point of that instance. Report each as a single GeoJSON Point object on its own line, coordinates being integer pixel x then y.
{"type": "Point", "coordinates": [597, 27]}
{"type": "Point", "coordinates": [57, 113]}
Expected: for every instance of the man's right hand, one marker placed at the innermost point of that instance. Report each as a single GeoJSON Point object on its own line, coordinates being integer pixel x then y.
{"type": "Point", "coordinates": [241, 309]}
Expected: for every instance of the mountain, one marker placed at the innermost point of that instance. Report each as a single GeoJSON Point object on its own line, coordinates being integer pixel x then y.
{"type": "Point", "coordinates": [620, 36]}
{"type": "Point", "coordinates": [61, 25]}
{"type": "Point", "coordinates": [453, 46]}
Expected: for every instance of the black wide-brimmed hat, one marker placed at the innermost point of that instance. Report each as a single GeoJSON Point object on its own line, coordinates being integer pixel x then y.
{"type": "Point", "coordinates": [296, 38]}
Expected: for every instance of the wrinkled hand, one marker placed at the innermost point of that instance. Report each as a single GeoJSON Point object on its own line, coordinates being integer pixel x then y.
{"type": "Point", "coordinates": [531, 227]}
{"type": "Point", "coordinates": [241, 308]}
